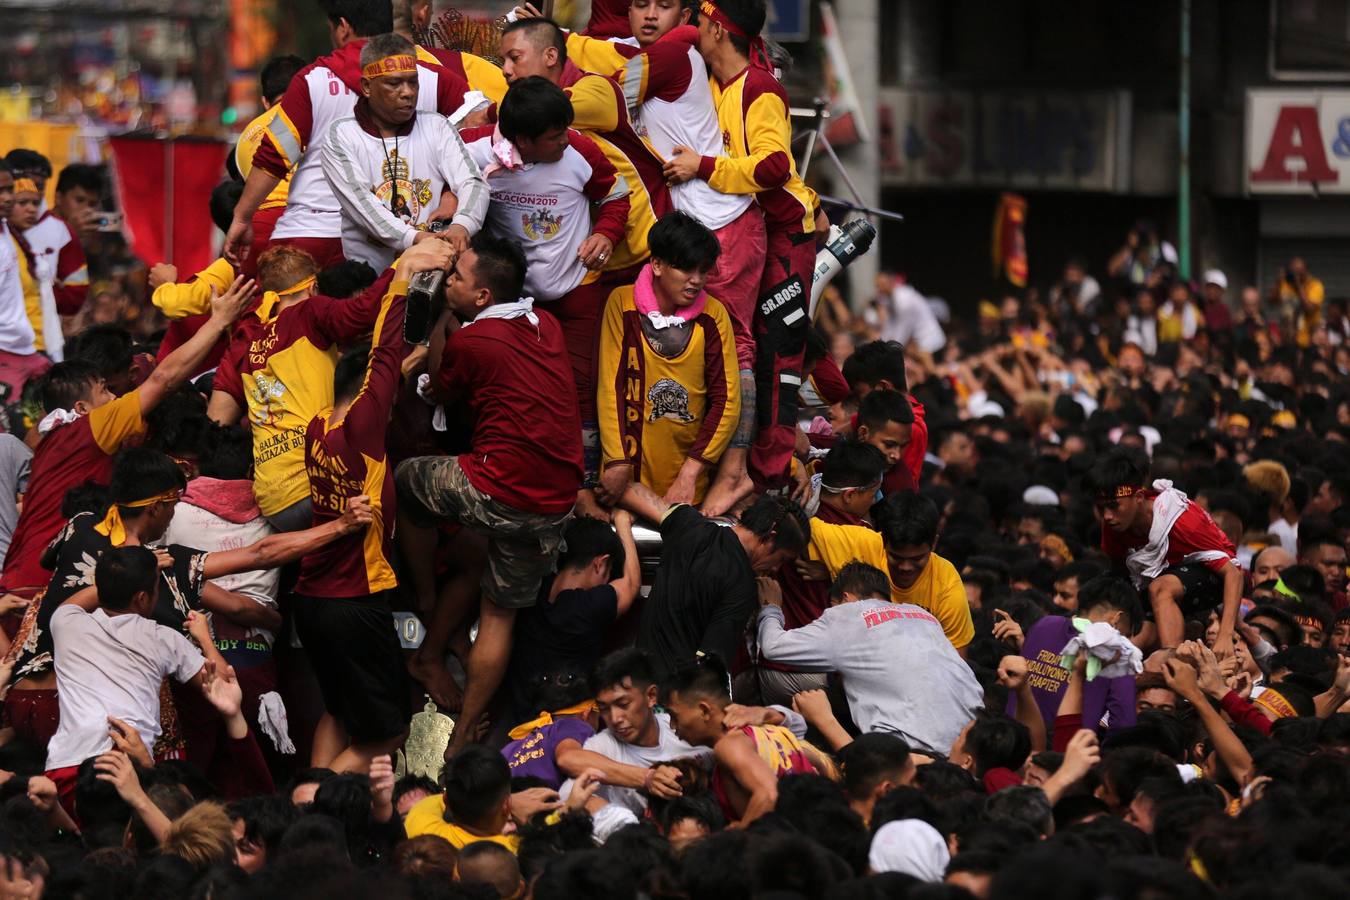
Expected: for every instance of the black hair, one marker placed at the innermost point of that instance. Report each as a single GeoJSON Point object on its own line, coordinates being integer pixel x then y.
{"type": "Point", "coordinates": [679, 240]}
{"type": "Point", "coordinates": [312, 775]}
{"type": "Point", "coordinates": [1113, 592]}
{"type": "Point", "coordinates": [109, 348]}
{"type": "Point", "coordinates": [476, 781]}
{"type": "Point", "coordinates": [66, 383]}
{"type": "Point", "coordinates": [996, 741]}
{"type": "Point", "coordinates": [623, 665]}
{"type": "Point", "coordinates": [123, 572]}
{"type": "Point", "coordinates": [544, 33]}
{"type": "Point", "coordinates": [879, 408]}
{"type": "Point", "coordinates": [499, 266]}
{"type": "Point", "coordinates": [749, 16]}
{"type": "Point", "coordinates": [705, 676]}
{"type": "Point", "coordinates": [781, 518]}
{"type": "Point", "coordinates": [702, 808]}
{"type": "Point", "coordinates": [350, 373]}
{"type": "Point", "coordinates": [533, 107]}
{"type": "Point", "coordinates": [871, 759]}
{"type": "Point", "coordinates": [861, 580]}
{"type": "Point", "coordinates": [409, 783]}
{"type": "Point", "coordinates": [875, 362]}
{"type": "Point", "coordinates": [584, 873]}
{"type": "Point", "coordinates": [266, 818]}
{"type": "Point", "coordinates": [906, 802]}
{"type": "Point", "coordinates": [1126, 769]}
{"type": "Point", "coordinates": [906, 519]}
{"type": "Point", "coordinates": [139, 473]}
{"type": "Point", "coordinates": [179, 425]}
{"type": "Point", "coordinates": [23, 161]}
{"type": "Point", "coordinates": [366, 17]}
{"type": "Point", "coordinates": [1288, 633]}
{"type": "Point", "coordinates": [1121, 467]}
{"type": "Point", "coordinates": [229, 454]}
{"type": "Point", "coordinates": [559, 688]}
{"type": "Point", "coordinates": [103, 813]}
{"type": "Point", "coordinates": [276, 76]}
{"type": "Point", "coordinates": [1022, 804]}
{"type": "Point", "coordinates": [80, 175]}
{"type": "Point", "coordinates": [347, 799]}
{"type": "Point", "coordinates": [585, 539]}
{"type": "Point", "coordinates": [224, 197]}
{"type": "Point", "coordinates": [345, 279]}
{"type": "Point", "coordinates": [852, 464]}
{"type": "Point", "coordinates": [4, 167]}
{"type": "Point", "coordinates": [1082, 569]}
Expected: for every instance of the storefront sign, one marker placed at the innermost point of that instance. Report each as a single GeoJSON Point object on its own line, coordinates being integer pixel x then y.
{"type": "Point", "coordinates": [1055, 140]}
{"type": "Point", "coordinates": [1298, 141]}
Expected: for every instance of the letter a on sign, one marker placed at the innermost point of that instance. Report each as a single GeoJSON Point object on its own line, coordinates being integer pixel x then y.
{"type": "Point", "coordinates": [1296, 135]}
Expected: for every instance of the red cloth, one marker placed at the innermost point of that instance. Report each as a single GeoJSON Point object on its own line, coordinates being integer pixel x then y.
{"type": "Point", "coordinates": [66, 457]}
{"type": "Point", "coordinates": [734, 281]}
{"type": "Point", "coordinates": [804, 601]}
{"type": "Point", "coordinates": [1066, 727]}
{"type": "Point", "coordinates": [829, 381]}
{"type": "Point", "coordinates": [180, 331]}
{"type": "Point", "coordinates": [33, 714]}
{"type": "Point", "coordinates": [64, 779]}
{"type": "Point", "coordinates": [1242, 712]}
{"type": "Point", "coordinates": [16, 371]}
{"type": "Point", "coordinates": [264, 220]}
{"type": "Point", "coordinates": [517, 382]}
{"type": "Point", "coordinates": [897, 480]}
{"type": "Point", "coordinates": [780, 340]}
{"type": "Point", "coordinates": [1193, 532]}
{"type": "Point", "coordinates": [996, 780]}
{"type": "Point", "coordinates": [326, 251]}
{"type": "Point", "coordinates": [918, 442]}
{"type": "Point", "coordinates": [177, 175]}
{"type": "Point", "coordinates": [349, 458]}
{"type": "Point", "coordinates": [609, 19]}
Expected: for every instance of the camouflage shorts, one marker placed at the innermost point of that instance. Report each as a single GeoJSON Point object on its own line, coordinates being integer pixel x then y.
{"type": "Point", "coordinates": [522, 547]}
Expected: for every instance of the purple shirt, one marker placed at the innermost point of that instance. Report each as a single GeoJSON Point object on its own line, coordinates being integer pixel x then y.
{"type": "Point", "coordinates": [532, 755]}
{"type": "Point", "coordinates": [1048, 680]}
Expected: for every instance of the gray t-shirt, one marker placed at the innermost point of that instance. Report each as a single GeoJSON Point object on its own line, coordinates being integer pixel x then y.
{"type": "Point", "coordinates": [900, 672]}
{"type": "Point", "coordinates": [14, 459]}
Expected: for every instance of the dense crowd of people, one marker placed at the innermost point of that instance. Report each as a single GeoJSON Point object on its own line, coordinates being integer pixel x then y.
{"type": "Point", "coordinates": [1048, 604]}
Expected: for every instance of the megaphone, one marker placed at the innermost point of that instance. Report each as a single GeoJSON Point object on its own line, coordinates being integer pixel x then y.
{"type": "Point", "coordinates": [845, 244]}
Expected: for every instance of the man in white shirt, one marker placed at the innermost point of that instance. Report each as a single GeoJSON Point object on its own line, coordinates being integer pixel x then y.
{"type": "Point", "coordinates": [906, 316]}
{"type": "Point", "coordinates": [637, 739]}
{"type": "Point", "coordinates": [389, 163]}
{"type": "Point", "coordinates": [110, 660]}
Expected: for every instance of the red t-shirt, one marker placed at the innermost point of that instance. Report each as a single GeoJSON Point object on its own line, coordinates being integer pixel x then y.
{"type": "Point", "coordinates": [517, 382]}
{"type": "Point", "coordinates": [609, 19]}
{"type": "Point", "coordinates": [349, 459]}
{"type": "Point", "coordinates": [1193, 532]}
{"type": "Point", "coordinates": [67, 457]}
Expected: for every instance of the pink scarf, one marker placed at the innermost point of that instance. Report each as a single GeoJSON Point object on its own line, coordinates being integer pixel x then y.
{"type": "Point", "coordinates": [644, 298]}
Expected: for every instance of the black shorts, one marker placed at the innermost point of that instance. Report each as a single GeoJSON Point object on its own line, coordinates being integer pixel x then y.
{"type": "Point", "coordinates": [353, 647]}
{"type": "Point", "coordinates": [1202, 591]}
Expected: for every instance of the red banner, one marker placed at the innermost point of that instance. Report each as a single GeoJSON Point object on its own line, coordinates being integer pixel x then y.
{"type": "Point", "coordinates": [165, 187]}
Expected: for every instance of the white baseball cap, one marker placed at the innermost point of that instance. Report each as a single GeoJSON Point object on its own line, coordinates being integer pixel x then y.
{"type": "Point", "coordinates": [1214, 276]}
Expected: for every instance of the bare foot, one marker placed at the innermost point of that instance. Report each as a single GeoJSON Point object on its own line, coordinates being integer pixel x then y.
{"type": "Point", "coordinates": [726, 492]}
{"type": "Point", "coordinates": [436, 679]}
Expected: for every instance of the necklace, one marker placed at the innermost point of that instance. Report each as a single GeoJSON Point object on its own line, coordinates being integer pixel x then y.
{"type": "Point", "coordinates": [392, 169]}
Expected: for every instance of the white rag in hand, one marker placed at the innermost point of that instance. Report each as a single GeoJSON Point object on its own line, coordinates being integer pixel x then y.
{"type": "Point", "coordinates": [1110, 653]}
{"type": "Point", "coordinates": [424, 391]}
{"type": "Point", "coordinates": [272, 721]}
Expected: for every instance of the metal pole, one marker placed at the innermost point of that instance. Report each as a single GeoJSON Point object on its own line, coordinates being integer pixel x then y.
{"type": "Point", "coordinates": [1184, 146]}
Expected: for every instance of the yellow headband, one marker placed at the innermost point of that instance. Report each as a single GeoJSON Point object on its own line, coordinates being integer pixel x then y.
{"type": "Point", "coordinates": [1055, 544]}
{"type": "Point", "coordinates": [25, 186]}
{"type": "Point", "coordinates": [1284, 419]}
{"type": "Point", "coordinates": [112, 526]}
{"type": "Point", "coordinates": [1275, 702]}
{"type": "Point", "coordinates": [272, 298]}
{"type": "Point", "coordinates": [390, 65]}
{"type": "Point", "coordinates": [1239, 419]}
{"type": "Point", "coordinates": [583, 708]}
